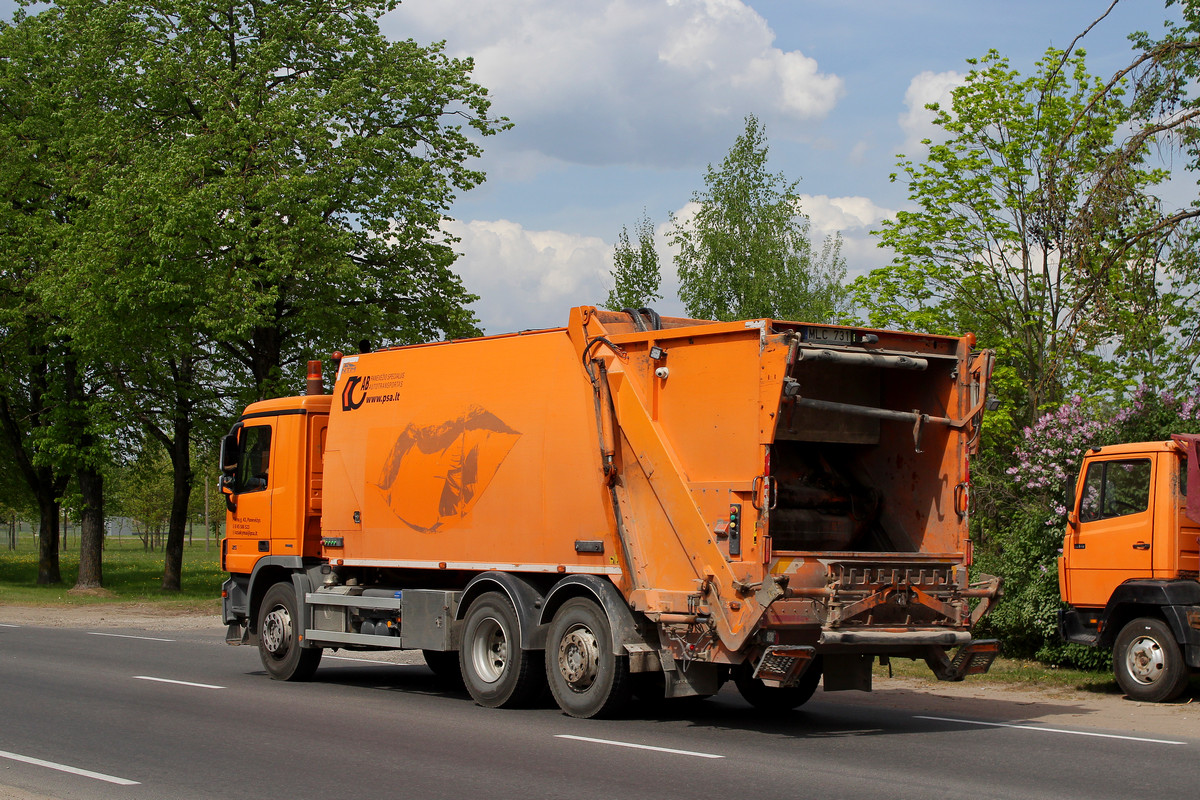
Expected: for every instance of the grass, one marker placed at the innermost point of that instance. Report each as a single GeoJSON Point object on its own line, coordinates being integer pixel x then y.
{"type": "Point", "coordinates": [131, 575]}
{"type": "Point", "coordinates": [1013, 672]}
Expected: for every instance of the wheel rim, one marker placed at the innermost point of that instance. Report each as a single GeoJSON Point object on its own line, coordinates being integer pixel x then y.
{"type": "Point", "coordinates": [579, 658]}
{"type": "Point", "coordinates": [1145, 660]}
{"type": "Point", "coordinates": [277, 631]}
{"type": "Point", "coordinates": [489, 650]}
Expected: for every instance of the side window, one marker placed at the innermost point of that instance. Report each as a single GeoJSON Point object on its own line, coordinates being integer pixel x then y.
{"type": "Point", "coordinates": [254, 466]}
{"type": "Point", "coordinates": [1115, 489]}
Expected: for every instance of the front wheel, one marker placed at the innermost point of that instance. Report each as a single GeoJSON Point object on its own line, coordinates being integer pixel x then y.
{"type": "Point", "coordinates": [496, 671]}
{"type": "Point", "coordinates": [1147, 661]}
{"type": "Point", "coordinates": [586, 677]}
{"type": "Point", "coordinates": [776, 699]}
{"type": "Point", "coordinates": [279, 637]}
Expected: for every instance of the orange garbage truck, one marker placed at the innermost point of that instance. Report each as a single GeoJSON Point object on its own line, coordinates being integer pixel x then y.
{"type": "Point", "coordinates": [630, 505]}
{"type": "Point", "coordinates": [1130, 563]}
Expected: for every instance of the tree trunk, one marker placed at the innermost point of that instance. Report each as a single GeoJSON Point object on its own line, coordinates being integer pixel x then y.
{"type": "Point", "coordinates": [48, 571]}
{"type": "Point", "coordinates": [181, 464]}
{"type": "Point", "coordinates": [91, 529]}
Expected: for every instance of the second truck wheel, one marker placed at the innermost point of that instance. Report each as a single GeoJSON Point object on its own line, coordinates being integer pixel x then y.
{"type": "Point", "coordinates": [497, 672]}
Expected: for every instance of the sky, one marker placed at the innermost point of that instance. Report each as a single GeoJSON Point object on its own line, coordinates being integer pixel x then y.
{"type": "Point", "coordinates": [618, 106]}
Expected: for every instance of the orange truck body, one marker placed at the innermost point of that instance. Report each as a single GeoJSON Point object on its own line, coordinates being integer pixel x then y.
{"type": "Point", "coordinates": [757, 499]}
{"type": "Point", "coordinates": [1130, 563]}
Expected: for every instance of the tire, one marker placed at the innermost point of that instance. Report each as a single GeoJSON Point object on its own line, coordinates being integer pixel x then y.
{"type": "Point", "coordinates": [496, 671]}
{"type": "Point", "coordinates": [1148, 663]}
{"type": "Point", "coordinates": [776, 699]}
{"type": "Point", "coordinates": [279, 639]}
{"type": "Point", "coordinates": [586, 677]}
{"type": "Point", "coordinates": [444, 664]}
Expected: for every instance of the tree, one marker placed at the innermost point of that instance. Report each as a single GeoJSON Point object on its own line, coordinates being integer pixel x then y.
{"type": "Point", "coordinates": [262, 181]}
{"type": "Point", "coordinates": [38, 207]}
{"type": "Point", "coordinates": [746, 251]}
{"type": "Point", "coordinates": [1005, 240]}
{"type": "Point", "coordinates": [636, 274]}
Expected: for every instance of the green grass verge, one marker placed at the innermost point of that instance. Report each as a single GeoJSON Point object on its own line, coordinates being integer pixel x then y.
{"type": "Point", "coordinates": [131, 575]}
{"type": "Point", "coordinates": [1010, 671]}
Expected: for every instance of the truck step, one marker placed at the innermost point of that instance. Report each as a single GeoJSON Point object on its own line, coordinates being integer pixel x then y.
{"type": "Point", "coordinates": [970, 659]}
{"type": "Point", "coordinates": [783, 665]}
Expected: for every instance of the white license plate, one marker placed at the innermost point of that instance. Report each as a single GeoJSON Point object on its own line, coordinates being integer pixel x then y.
{"type": "Point", "coordinates": [831, 336]}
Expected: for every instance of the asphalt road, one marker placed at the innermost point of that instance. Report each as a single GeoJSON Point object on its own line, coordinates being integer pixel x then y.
{"type": "Point", "coordinates": [178, 714]}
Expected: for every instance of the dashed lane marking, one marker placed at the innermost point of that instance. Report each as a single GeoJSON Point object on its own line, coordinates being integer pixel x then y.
{"type": "Point", "coordinates": [638, 746]}
{"type": "Point", "coordinates": [86, 773]}
{"type": "Point", "coordinates": [1051, 730]}
{"type": "Point", "coordinates": [177, 683]}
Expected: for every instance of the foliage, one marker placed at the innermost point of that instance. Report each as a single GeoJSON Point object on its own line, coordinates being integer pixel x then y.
{"type": "Point", "coordinates": [234, 187]}
{"type": "Point", "coordinates": [636, 273]}
{"type": "Point", "coordinates": [746, 252]}
{"type": "Point", "coordinates": [998, 245]}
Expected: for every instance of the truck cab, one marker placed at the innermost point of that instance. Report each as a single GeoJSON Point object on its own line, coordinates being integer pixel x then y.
{"type": "Point", "coordinates": [1130, 561]}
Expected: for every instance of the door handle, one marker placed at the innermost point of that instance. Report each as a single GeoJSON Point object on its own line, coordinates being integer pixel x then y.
{"type": "Point", "coordinates": [1141, 546]}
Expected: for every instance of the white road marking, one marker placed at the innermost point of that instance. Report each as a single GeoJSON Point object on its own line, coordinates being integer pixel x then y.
{"type": "Point", "coordinates": [6, 625]}
{"type": "Point", "coordinates": [365, 661]}
{"type": "Point", "coordinates": [1052, 730]}
{"type": "Point", "coordinates": [638, 746]}
{"type": "Point", "coordinates": [37, 762]}
{"type": "Point", "coordinates": [127, 636]}
{"type": "Point", "coordinates": [177, 683]}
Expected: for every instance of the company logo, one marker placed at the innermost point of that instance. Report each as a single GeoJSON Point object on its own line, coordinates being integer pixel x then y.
{"type": "Point", "coordinates": [349, 400]}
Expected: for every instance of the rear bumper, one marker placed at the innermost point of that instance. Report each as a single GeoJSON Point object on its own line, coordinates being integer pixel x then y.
{"type": "Point", "coordinates": [878, 638]}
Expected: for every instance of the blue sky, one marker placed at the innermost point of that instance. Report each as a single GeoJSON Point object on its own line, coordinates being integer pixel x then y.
{"type": "Point", "coordinates": [618, 106]}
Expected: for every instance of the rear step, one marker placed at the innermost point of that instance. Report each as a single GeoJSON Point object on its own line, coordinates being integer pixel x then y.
{"type": "Point", "coordinates": [783, 665]}
{"type": "Point", "coordinates": [971, 659]}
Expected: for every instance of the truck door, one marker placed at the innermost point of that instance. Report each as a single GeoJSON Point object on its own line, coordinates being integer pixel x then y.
{"type": "Point", "coordinates": [1113, 540]}
{"type": "Point", "coordinates": [249, 526]}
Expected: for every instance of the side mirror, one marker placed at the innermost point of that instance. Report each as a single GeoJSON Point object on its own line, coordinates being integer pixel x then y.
{"type": "Point", "coordinates": [226, 486]}
{"type": "Point", "coordinates": [231, 453]}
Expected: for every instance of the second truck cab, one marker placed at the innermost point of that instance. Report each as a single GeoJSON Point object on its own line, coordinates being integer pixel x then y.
{"type": "Point", "coordinates": [1130, 561]}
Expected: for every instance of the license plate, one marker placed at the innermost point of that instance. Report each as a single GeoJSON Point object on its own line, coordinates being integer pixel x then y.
{"type": "Point", "coordinates": [831, 336]}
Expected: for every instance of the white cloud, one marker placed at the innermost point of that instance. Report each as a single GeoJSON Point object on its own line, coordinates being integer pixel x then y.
{"type": "Point", "coordinates": [917, 121]}
{"type": "Point", "coordinates": [854, 218]}
{"type": "Point", "coordinates": [529, 279]}
{"type": "Point", "coordinates": [624, 81]}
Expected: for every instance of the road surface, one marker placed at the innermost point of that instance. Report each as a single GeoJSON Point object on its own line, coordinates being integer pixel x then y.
{"type": "Point", "coordinates": [175, 713]}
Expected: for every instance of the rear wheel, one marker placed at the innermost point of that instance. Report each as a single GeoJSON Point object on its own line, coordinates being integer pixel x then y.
{"type": "Point", "coordinates": [279, 637]}
{"type": "Point", "coordinates": [776, 699]}
{"type": "Point", "coordinates": [586, 677]}
{"type": "Point", "coordinates": [1147, 661]}
{"type": "Point", "coordinates": [496, 671]}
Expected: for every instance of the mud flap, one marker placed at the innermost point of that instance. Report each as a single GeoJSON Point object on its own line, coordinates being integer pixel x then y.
{"type": "Point", "coordinates": [236, 634]}
{"type": "Point", "coordinates": [974, 658]}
